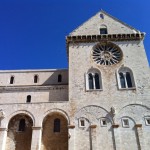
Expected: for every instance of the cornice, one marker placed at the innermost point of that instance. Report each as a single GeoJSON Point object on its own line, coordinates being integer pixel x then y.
{"type": "Point", "coordinates": [103, 38]}
{"type": "Point", "coordinates": [35, 88]}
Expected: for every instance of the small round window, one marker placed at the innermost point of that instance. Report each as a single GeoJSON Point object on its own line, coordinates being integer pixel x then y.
{"type": "Point", "coordinates": [106, 54]}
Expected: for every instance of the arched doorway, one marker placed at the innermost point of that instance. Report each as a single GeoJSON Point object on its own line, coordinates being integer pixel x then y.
{"type": "Point", "coordinates": [19, 133]}
{"type": "Point", "coordinates": [55, 132]}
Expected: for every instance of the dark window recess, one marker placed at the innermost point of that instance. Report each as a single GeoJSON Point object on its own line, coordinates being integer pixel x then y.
{"type": "Point", "coordinates": [36, 79]}
{"type": "Point", "coordinates": [101, 16]}
{"type": "Point", "coordinates": [91, 81]}
{"type": "Point", "coordinates": [103, 31]}
{"type": "Point", "coordinates": [59, 78]}
{"type": "Point", "coordinates": [28, 98]}
{"type": "Point", "coordinates": [22, 125]}
{"type": "Point", "coordinates": [104, 122]}
{"type": "Point", "coordinates": [57, 125]}
{"type": "Point", "coordinates": [11, 80]}
{"type": "Point", "coordinates": [97, 84]}
{"type": "Point", "coordinates": [129, 81]}
{"type": "Point", "coordinates": [82, 123]}
{"type": "Point", "coordinates": [122, 80]}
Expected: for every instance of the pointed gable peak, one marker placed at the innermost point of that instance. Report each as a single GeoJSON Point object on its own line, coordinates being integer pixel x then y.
{"type": "Point", "coordinates": [103, 20]}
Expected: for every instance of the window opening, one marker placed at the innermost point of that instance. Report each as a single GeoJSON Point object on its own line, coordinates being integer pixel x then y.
{"type": "Point", "coordinates": [28, 99]}
{"type": "Point", "coordinates": [36, 79]}
{"type": "Point", "coordinates": [59, 78]}
{"type": "Point", "coordinates": [103, 122]}
{"type": "Point", "coordinates": [12, 80]}
{"type": "Point", "coordinates": [22, 125]}
{"type": "Point", "coordinates": [128, 78]}
{"type": "Point", "coordinates": [103, 31]}
{"type": "Point", "coordinates": [122, 80]}
{"type": "Point", "coordinates": [57, 125]}
{"type": "Point", "coordinates": [101, 16]}
{"type": "Point", "coordinates": [147, 121]}
{"type": "Point", "coordinates": [82, 123]}
{"type": "Point", "coordinates": [125, 122]}
{"type": "Point", "coordinates": [97, 84]}
{"type": "Point", "coordinates": [91, 86]}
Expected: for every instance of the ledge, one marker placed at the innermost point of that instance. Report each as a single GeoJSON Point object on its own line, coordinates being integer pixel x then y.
{"type": "Point", "coordinates": [138, 125]}
{"type": "Point", "coordinates": [71, 126]}
{"type": "Point", "coordinates": [115, 125]}
{"type": "Point", "coordinates": [103, 38]}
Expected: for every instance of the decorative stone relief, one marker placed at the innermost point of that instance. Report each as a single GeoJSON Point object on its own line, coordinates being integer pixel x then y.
{"type": "Point", "coordinates": [2, 114]}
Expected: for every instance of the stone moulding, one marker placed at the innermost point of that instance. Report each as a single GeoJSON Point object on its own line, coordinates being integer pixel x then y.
{"type": "Point", "coordinates": [115, 126]}
{"type": "Point", "coordinates": [103, 38]}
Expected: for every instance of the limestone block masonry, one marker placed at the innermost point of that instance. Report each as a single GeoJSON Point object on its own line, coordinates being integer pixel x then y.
{"type": "Point", "coordinates": [102, 102]}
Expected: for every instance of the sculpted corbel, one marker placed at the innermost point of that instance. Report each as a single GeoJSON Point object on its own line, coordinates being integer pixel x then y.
{"type": "Point", "coordinates": [2, 114]}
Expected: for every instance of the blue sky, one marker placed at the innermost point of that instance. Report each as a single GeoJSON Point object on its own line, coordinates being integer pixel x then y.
{"type": "Point", "coordinates": [32, 32]}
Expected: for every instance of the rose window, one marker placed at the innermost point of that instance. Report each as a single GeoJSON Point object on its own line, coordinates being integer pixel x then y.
{"type": "Point", "coordinates": [106, 54]}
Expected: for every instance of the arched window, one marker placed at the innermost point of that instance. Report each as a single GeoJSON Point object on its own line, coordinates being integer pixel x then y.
{"type": "Point", "coordinates": [93, 80]}
{"type": "Point", "coordinates": [103, 29]}
{"type": "Point", "coordinates": [12, 80]}
{"type": "Point", "coordinates": [28, 99]}
{"type": "Point", "coordinates": [35, 78]}
{"type": "Point", "coordinates": [59, 78]}
{"type": "Point", "coordinates": [126, 79]}
{"type": "Point", "coordinates": [22, 125]}
{"type": "Point", "coordinates": [57, 125]}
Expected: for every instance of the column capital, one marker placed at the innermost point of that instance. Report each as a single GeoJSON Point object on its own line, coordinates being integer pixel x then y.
{"type": "Point", "coordinates": [3, 129]}
{"type": "Point", "coordinates": [36, 128]}
{"type": "Point", "coordinates": [93, 126]}
{"type": "Point", "coordinates": [71, 126]}
{"type": "Point", "coordinates": [115, 125]}
{"type": "Point", "coordinates": [138, 125]}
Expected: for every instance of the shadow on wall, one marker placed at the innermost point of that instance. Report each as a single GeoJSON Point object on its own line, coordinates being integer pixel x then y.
{"type": "Point", "coordinates": [57, 78]}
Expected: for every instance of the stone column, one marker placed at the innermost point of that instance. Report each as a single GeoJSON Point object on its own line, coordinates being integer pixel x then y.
{"type": "Point", "coordinates": [116, 137]}
{"type": "Point", "coordinates": [36, 138]}
{"type": "Point", "coordinates": [3, 136]}
{"type": "Point", "coordinates": [71, 137]}
{"type": "Point", "coordinates": [139, 136]}
{"type": "Point", "coordinates": [93, 143]}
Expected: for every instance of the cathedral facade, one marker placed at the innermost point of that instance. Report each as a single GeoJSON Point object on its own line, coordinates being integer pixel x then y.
{"type": "Point", "coordinates": [101, 102]}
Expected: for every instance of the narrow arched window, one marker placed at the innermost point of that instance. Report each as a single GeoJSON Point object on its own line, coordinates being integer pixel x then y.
{"type": "Point", "coordinates": [59, 78]}
{"type": "Point", "coordinates": [12, 80]}
{"type": "Point", "coordinates": [103, 29]}
{"type": "Point", "coordinates": [90, 78]}
{"type": "Point", "coordinates": [97, 83]}
{"type": "Point", "coordinates": [57, 125]}
{"type": "Point", "coordinates": [28, 99]}
{"type": "Point", "coordinates": [129, 81]}
{"type": "Point", "coordinates": [122, 80]}
{"type": "Point", "coordinates": [126, 78]}
{"type": "Point", "coordinates": [36, 79]}
{"type": "Point", "coordinates": [22, 125]}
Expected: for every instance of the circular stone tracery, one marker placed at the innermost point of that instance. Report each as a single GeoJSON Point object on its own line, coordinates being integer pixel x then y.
{"type": "Point", "coordinates": [106, 54]}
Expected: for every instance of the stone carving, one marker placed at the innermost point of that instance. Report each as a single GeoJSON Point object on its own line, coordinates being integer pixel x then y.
{"type": "Point", "coordinates": [113, 111]}
{"type": "Point", "coordinates": [2, 114]}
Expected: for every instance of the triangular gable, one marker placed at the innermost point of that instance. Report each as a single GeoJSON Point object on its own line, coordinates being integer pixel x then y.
{"type": "Point", "coordinates": [114, 26]}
